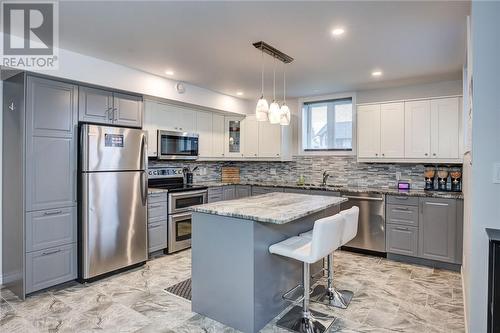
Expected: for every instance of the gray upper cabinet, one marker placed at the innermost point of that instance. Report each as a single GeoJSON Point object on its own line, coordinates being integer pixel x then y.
{"type": "Point", "coordinates": [51, 111]}
{"type": "Point", "coordinates": [95, 105]}
{"type": "Point", "coordinates": [106, 107]}
{"type": "Point", "coordinates": [438, 229]}
{"type": "Point", "coordinates": [127, 110]}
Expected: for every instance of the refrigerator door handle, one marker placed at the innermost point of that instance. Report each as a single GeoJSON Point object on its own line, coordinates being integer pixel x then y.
{"type": "Point", "coordinates": [144, 188]}
{"type": "Point", "coordinates": [143, 153]}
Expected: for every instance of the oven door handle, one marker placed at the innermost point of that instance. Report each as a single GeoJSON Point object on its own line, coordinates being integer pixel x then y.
{"type": "Point", "coordinates": [179, 216]}
{"type": "Point", "coordinates": [187, 194]}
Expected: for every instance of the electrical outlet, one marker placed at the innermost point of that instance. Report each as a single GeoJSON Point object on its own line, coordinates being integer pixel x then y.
{"type": "Point", "coordinates": [496, 173]}
{"type": "Point", "coordinates": [398, 175]}
{"type": "Point", "coordinates": [272, 171]}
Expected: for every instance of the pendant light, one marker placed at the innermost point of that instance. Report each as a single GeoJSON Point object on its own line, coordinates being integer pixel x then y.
{"type": "Point", "coordinates": [274, 108]}
{"type": "Point", "coordinates": [262, 108]}
{"type": "Point", "coordinates": [284, 110]}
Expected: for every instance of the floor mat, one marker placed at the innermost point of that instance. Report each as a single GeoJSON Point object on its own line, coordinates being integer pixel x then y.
{"type": "Point", "coordinates": [182, 289]}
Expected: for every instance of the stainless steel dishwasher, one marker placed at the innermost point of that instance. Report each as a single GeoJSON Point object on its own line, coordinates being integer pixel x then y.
{"type": "Point", "coordinates": [371, 228]}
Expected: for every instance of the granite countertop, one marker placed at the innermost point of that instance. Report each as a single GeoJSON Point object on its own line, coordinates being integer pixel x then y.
{"type": "Point", "coordinates": [345, 188]}
{"type": "Point", "coordinates": [277, 208]}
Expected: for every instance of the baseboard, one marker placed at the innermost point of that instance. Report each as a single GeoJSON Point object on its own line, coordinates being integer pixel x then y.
{"type": "Point", "coordinates": [9, 278]}
{"type": "Point", "coordinates": [464, 300]}
{"type": "Point", "coordinates": [425, 262]}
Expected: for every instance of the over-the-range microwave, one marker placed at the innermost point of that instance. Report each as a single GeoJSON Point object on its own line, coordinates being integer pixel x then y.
{"type": "Point", "coordinates": [173, 145]}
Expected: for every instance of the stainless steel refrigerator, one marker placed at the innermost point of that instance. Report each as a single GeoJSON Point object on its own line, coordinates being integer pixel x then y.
{"type": "Point", "coordinates": [113, 199]}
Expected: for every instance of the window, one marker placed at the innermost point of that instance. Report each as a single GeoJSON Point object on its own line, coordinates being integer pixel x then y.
{"type": "Point", "coordinates": [327, 125]}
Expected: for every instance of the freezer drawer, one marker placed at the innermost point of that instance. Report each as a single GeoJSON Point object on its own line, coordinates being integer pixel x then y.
{"type": "Point", "coordinates": [114, 221]}
{"type": "Point", "coordinates": [371, 227]}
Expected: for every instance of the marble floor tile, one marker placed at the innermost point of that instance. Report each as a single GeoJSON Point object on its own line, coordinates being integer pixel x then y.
{"type": "Point", "coordinates": [389, 296]}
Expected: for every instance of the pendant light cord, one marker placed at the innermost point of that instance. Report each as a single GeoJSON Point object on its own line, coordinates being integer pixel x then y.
{"type": "Point", "coordinates": [262, 75]}
{"type": "Point", "coordinates": [274, 80]}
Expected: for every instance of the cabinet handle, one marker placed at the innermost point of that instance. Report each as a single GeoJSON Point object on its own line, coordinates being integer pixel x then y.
{"type": "Point", "coordinates": [376, 154]}
{"type": "Point", "coordinates": [108, 113]}
{"type": "Point", "coordinates": [50, 252]}
{"type": "Point", "coordinates": [401, 198]}
{"type": "Point", "coordinates": [401, 210]}
{"type": "Point", "coordinates": [115, 118]}
{"type": "Point", "coordinates": [434, 154]}
{"type": "Point", "coordinates": [426, 154]}
{"type": "Point", "coordinates": [56, 212]}
{"type": "Point", "coordinates": [155, 206]}
{"type": "Point", "coordinates": [383, 154]}
{"type": "Point", "coordinates": [401, 228]}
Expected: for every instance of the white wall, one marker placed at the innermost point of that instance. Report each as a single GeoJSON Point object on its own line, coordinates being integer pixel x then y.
{"type": "Point", "coordinates": [433, 89]}
{"type": "Point", "coordinates": [485, 195]}
{"type": "Point", "coordinates": [1, 156]}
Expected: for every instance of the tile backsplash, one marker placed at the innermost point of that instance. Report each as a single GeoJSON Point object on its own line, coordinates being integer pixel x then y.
{"type": "Point", "coordinates": [343, 171]}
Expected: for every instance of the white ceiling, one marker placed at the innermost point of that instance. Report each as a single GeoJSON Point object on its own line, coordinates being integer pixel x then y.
{"type": "Point", "coordinates": [210, 43]}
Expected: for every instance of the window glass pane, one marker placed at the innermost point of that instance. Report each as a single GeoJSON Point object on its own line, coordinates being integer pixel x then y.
{"type": "Point", "coordinates": [328, 125]}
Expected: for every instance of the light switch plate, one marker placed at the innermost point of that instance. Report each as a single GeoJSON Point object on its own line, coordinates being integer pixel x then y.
{"type": "Point", "coordinates": [496, 173]}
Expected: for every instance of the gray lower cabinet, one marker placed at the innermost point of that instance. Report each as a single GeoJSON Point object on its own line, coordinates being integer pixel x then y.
{"type": "Point", "coordinates": [402, 240]}
{"type": "Point", "coordinates": [242, 191]}
{"type": "Point", "coordinates": [296, 190]}
{"type": "Point", "coordinates": [49, 267]}
{"type": "Point", "coordinates": [257, 190]}
{"type": "Point", "coordinates": [215, 194]}
{"type": "Point", "coordinates": [228, 192]}
{"type": "Point", "coordinates": [157, 236]}
{"type": "Point", "coordinates": [50, 228]}
{"type": "Point", "coordinates": [106, 107]}
{"type": "Point", "coordinates": [438, 229]}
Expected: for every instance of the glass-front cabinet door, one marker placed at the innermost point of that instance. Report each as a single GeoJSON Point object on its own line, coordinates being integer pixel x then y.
{"type": "Point", "coordinates": [233, 137]}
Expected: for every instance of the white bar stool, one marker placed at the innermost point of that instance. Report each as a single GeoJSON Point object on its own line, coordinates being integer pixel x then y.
{"type": "Point", "coordinates": [329, 295]}
{"type": "Point", "coordinates": [326, 235]}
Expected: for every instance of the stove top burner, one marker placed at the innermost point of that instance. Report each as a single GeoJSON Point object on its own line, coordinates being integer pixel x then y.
{"type": "Point", "coordinates": [178, 187]}
{"type": "Point", "coordinates": [170, 179]}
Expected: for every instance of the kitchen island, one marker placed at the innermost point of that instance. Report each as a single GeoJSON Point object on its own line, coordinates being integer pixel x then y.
{"type": "Point", "coordinates": [235, 280]}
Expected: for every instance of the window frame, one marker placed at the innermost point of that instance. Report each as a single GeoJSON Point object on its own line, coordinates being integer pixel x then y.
{"type": "Point", "coordinates": [301, 129]}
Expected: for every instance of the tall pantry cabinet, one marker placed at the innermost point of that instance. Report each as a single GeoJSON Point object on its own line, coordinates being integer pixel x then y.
{"type": "Point", "coordinates": [40, 127]}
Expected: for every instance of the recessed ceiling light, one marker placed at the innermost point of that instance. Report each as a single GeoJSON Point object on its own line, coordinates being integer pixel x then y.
{"type": "Point", "coordinates": [169, 72]}
{"type": "Point", "coordinates": [338, 31]}
{"type": "Point", "coordinates": [239, 93]}
{"type": "Point", "coordinates": [377, 73]}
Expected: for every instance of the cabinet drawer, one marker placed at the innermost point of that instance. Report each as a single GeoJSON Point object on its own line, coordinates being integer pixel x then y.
{"type": "Point", "coordinates": [155, 197]}
{"type": "Point", "coordinates": [157, 210]}
{"type": "Point", "coordinates": [296, 190]}
{"type": "Point", "coordinates": [157, 236]}
{"type": "Point", "coordinates": [215, 190]}
{"type": "Point", "coordinates": [215, 198]}
{"type": "Point", "coordinates": [402, 200]}
{"type": "Point", "coordinates": [402, 240]}
{"type": "Point", "coordinates": [50, 267]}
{"type": "Point", "coordinates": [50, 228]}
{"type": "Point", "coordinates": [257, 190]}
{"type": "Point", "coordinates": [242, 191]}
{"type": "Point", "coordinates": [399, 214]}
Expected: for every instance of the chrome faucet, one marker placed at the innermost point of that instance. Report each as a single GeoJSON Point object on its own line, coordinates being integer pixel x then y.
{"type": "Point", "coordinates": [325, 177]}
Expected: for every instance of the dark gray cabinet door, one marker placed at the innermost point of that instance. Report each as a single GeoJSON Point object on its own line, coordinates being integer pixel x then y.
{"type": "Point", "coordinates": [243, 191]}
{"type": "Point", "coordinates": [95, 105]}
{"type": "Point", "coordinates": [127, 110]}
{"type": "Point", "coordinates": [438, 229]}
{"type": "Point", "coordinates": [51, 111]}
{"type": "Point", "coordinates": [402, 240]}
{"type": "Point", "coordinates": [228, 192]}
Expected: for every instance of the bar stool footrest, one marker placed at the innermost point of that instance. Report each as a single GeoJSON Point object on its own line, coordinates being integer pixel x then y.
{"type": "Point", "coordinates": [294, 295]}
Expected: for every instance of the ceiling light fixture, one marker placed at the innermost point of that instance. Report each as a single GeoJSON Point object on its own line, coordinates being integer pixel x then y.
{"type": "Point", "coordinates": [239, 93]}
{"type": "Point", "coordinates": [262, 108]}
{"type": "Point", "coordinates": [169, 72]}
{"type": "Point", "coordinates": [274, 113]}
{"type": "Point", "coordinates": [377, 73]}
{"type": "Point", "coordinates": [338, 31]}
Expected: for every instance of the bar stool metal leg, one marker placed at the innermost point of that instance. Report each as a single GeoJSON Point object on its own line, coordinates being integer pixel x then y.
{"type": "Point", "coordinates": [330, 295]}
{"type": "Point", "coordinates": [302, 319]}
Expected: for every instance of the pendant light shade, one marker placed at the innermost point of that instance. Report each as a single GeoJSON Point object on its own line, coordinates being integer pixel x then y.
{"type": "Point", "coordinates": [285, 115]}
{"type": "Point", "coordinates": [274, 113]}
{"type": "Point", "coordinates": [262, 109]}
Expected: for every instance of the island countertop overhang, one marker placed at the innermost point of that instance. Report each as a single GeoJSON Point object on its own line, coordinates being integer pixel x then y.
{"type": "Point", "coordinates": [276, 207]}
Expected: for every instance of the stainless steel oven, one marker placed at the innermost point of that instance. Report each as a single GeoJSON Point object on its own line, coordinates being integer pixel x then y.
{"type": "Point", "coordinates": [179, 218]}
{"type": "Point", "coordinates": [177, 145]}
